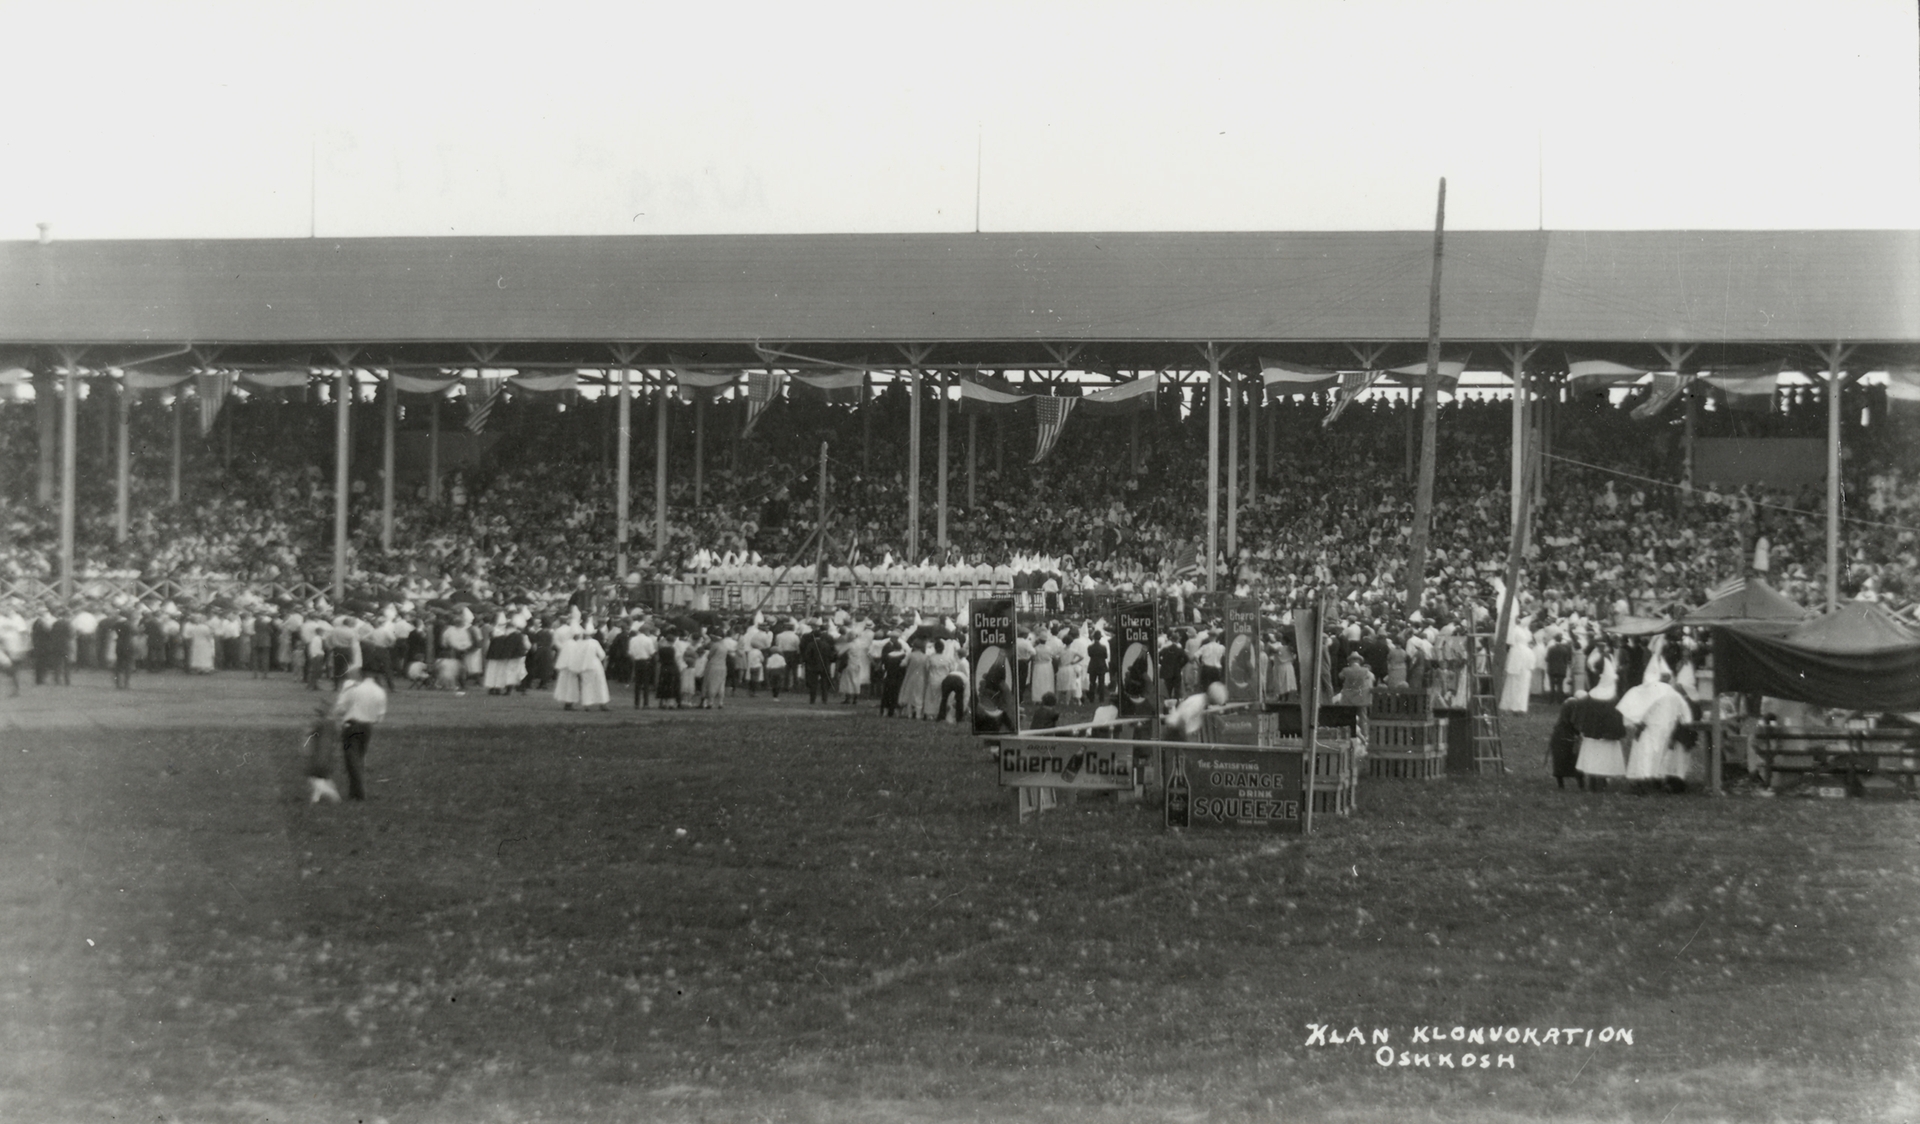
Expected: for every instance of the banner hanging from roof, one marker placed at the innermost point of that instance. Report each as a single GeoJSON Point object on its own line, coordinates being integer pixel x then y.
{"type": "Point", "coordinates": [422, 384]}
{"type": "Point", "coordinates": [1588, 374]}
{"type": "Point", "coordinates": [545, 384]}
{"type": "Point", "coordinates": [1286, 379]}
{"type": "Point", "coordinates": [1410, 374]}
{"type": "Point", "coordinates": [274, 380]}
{"type": "Point", "coordinates": [144, 380]}
{"type": "Point", "coordinates": [15, 375]}
{"type": "Point", "coordinates": [835, 386]}
{"type": "Point", "coordinates": [213, 390]}
{"type": "Point", "coordinates": [1748, 389]}
{"type": "Point", "coordinates": [986, 394]}
{"type": "Point", "coordinates": [1129, 397]}
{"type": "Point", "coordinates": [707, 383]}
{"type": "Point", "coordinates": [1903, 392]}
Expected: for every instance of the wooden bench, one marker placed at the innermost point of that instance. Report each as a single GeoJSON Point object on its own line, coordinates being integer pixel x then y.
{"type": "Point", "coordinates": [1839, 758]}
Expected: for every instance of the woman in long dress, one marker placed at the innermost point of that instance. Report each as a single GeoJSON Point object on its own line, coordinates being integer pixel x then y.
{"type": "Point", "coordinates": [913, 685]}
{"type": "Point", "coordinates": [566, 676]}
{"type": "Point", "coordinates": [590, 670]}
{"type": "Point", "coordinates": [714, 679]}
{"type": "Point", "coordinates": [199, 637]}
{"type": "Point", "coordinates": [692, 662]}
{"type": "Point", "coordinates": [1285, 681]}
{"type": "Point", "coordinates": [1517, 687]}
{"type": "Point", "coordinates": [938, 666]}
{"type": "Point", "coordinates": [1044, 653]}
{"type": "Point", "coordinates": [506, 658]}
{"type": "Point", "coordinates": [1073, 670]}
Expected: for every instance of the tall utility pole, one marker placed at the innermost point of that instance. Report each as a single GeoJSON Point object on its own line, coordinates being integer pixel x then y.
{"type": "Point", "coordinates": [1429, 422]}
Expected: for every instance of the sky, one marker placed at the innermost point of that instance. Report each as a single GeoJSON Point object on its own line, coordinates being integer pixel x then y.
{"type": "Point", "coordinates": [344, 119]}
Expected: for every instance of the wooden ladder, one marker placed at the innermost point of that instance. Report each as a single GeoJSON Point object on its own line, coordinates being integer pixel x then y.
{"type": "Point", "coordinates": [1489, 754]}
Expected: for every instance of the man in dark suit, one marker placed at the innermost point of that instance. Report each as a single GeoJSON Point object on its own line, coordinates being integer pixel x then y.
{"type": "Point", "coordinates": [63, 641]}
{"type": "Point", "coordinates": [43, 647]}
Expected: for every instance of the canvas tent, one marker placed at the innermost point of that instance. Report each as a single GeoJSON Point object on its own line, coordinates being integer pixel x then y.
{"type": "Point", "coordinates": [1754, 605]}
{"type": "Point", "coordinates": [1858, 657]}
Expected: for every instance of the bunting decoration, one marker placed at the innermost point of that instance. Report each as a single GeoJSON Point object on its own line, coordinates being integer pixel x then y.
{"type": "Point", "coordinates": [1449, 374]}
{"type": "Point", "coordinates": [1584, 374]}
{"type": "Point", "coordinates": [1748, 389]}
{"type": "Point", "coordinates": [1129, 397]}
{"type": "Point", "coordinates": [213, 390]}
{"type": "Point", "coordinates": [1283, 378]}
{"type": "Point", "coordinates": [1352, 384]}
{"type": "Point", "coordinates": [762, 388]}
{"type": "Point", "coordinates": [422, 384]}
{"type": "Point", "coordinates": [836, 386]}
{"type": "Point", "coordinates": [1903, 392]}
{"type": "Point", "coordinates": [1051, 414]}
{"type": "Point", "coordinates": [480, 400]}
{"type": "Point", "coordinates": [1666, 388]}
{"type": "Point", "coordinates": [987, 394]}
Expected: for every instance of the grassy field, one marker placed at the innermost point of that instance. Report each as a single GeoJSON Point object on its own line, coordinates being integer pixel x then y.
{"type": "Point", "coordinates": [853, 927]}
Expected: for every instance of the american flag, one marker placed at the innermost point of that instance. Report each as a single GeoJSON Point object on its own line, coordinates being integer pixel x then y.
{"type": "Point", "coordinates": [1727, 588]}
{"type": "Point", "coordinates": [1665, 389]}
{"type": "Point", "coordinates": [762, 388]}
{"type": "Point", "coordinates": [480, 404]}
{"type": "Point", "coordinates": [1351, 384]}
{"type": "Point", "coordinates": [1051, 414]}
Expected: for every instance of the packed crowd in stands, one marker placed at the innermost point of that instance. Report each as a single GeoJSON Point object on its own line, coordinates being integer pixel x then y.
{"type": "Point", "coordinates": [524, 521]}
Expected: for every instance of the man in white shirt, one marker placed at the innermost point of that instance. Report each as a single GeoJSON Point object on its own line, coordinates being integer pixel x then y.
{"type": "Point", "coordinates": [641, 649]}
{"type": "Point", "coordinates": [362, 704]}
{"type": "Point", "coordinates": [1213, 656]}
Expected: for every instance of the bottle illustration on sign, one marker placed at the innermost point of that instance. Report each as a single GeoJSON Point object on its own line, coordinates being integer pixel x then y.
{"type": "Point", "coordinates": [1179, 793]}
{"type": "Point", "coordinates": [1072, 768]}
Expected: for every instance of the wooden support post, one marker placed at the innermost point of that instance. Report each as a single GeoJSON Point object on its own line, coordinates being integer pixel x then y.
{"type": "Point", "coordinates": [940, 517]}
{"type": "Point", "coordinates": [433, 447]}
{"type": "Point", "coordinates": [973, 462]}
{"type": "Point", "coordinates": [1835, 358]}
{"type": "Point", "coordinates": [123, 461]}
{"type": "Point", "coordinates": [69, 415]}
{"type": "Point", "coordinates": [389, 419]}
{"type": "Point", "coordinates": [1213, 463]}
{"type": "Point", "coordinates": [342, 453]}
{"type": "Point", "coordinates": [820, 538]}
{"type": "Point", "coordinates": [623, 475]}
{"type": "Point", "coordinates": [1254, 411]}
{"type": "Point", "coordinates": [1133, 443]}
{"type": "Point", "coordinates": [47, 413]}
{"type": "Point", "coordinates": [1416, 575]}
{"type": "Point", "coordinates": [1233, 466]}
{"type": "Point", "coordinates": [173, 477]}
{"type": "Point", "coordinates": [662, 400]}
{"type": "Point", "coordinates": [913, 467]}
{"type": "Point", "coordinates": [1517, 437]}
{"type": "Point", "coordinates": [699, 449]}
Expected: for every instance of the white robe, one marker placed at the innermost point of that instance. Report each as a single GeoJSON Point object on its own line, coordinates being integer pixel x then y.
{"type": "Point", "coordinates": [1517, 688]}
{"type": "Point", "coordinates": [1658, 709]}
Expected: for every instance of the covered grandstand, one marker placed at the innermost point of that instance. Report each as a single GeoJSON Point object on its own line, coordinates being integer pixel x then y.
{"type": "Point", "coordinates": [1280, 311]}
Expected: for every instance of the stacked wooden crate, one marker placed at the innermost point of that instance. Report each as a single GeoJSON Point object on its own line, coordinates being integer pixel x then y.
{"type": "Point", "coordinates": [1336, 773]}
{"type": "Point", "coordinates": [1405, 739]}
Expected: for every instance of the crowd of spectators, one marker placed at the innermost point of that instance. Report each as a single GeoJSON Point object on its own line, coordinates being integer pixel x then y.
{"type": "Point", "coordinates": [536, 512]}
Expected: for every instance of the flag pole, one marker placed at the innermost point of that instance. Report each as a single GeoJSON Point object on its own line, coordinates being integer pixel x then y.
{"type": "Point", "coordinates": [1429, 422]}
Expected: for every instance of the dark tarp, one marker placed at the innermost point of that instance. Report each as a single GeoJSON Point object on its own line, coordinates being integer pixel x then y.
{"type": "Point", "coordinates": [1858, 657]}
{"type": "Point", "coordinates": [1755, 604]}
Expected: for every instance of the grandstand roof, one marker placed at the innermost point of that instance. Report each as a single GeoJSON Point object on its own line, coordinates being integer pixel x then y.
{"type": "Point", "coordinates": [983, 297]}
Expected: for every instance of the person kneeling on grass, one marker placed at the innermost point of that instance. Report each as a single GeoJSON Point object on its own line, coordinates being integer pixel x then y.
{"type": "Point", "coordinates": [361, 706]}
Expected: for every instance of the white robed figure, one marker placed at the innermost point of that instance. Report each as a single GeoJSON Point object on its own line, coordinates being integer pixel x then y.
{"type": "Point", "coordinates": [1046, 649]}
{"type": "Point", "coordinates": [1517, 687]}
{"type": "Point", "coordinates": [1652, 712]}
{"type": "Point", "coordinates": [566, 675]}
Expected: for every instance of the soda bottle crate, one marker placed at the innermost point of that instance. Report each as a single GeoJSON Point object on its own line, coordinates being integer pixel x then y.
{"type": "Point", "coordinates": [1400, 703]}
{"type": "Point", "coordinates": [1407, 766]}
{"type": "Point", "coordinates": [1392, 734]}
{"type": "Point", "coordinates": [1339, 801]}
